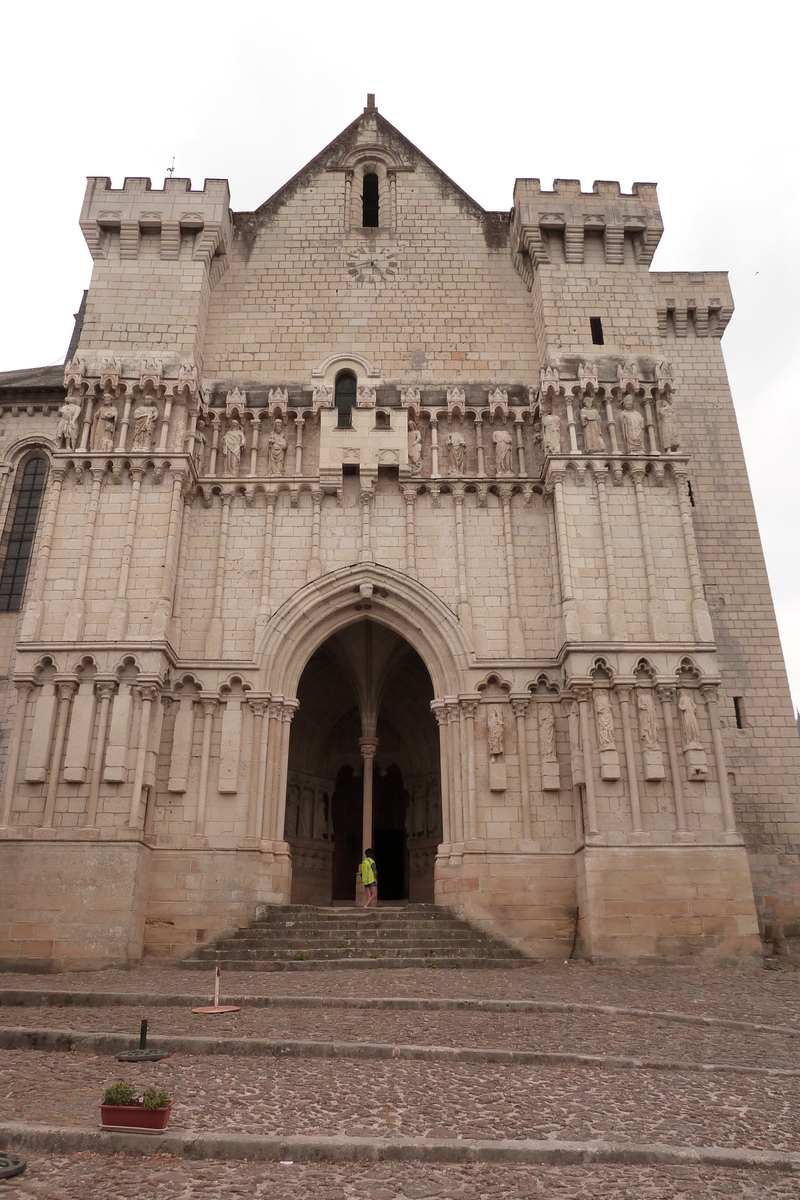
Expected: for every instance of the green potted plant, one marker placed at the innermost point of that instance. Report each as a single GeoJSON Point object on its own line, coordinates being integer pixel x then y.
{"type": "Point", "coordinates": [123, 1108]}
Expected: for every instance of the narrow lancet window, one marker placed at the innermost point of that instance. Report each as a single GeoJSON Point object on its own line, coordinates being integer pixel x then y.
{"type": "Point", "coordinates": [345, 398]}
{"type": "Point", "coordinates": [19, 534]}
{"type": "Point", "coordinates": [370, 202]}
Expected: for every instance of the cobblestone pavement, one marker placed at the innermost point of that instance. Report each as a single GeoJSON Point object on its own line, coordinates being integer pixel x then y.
{"type": "Point", "coordinates": [82, 1176]}
{"type": "Point", "coordinates": [740, 991]}
{"type": "Point", "coordinates": [403, 1098]}
{"type": "Point", "coordinates": [585, 1033]}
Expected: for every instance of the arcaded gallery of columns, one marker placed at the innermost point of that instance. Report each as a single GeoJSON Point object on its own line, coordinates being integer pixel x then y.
{"type": "Point", "coordinates": [372, 517]}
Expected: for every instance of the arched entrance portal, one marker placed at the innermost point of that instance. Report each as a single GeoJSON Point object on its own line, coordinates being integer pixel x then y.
{"type": "Point", "coordinates": [364, 731]}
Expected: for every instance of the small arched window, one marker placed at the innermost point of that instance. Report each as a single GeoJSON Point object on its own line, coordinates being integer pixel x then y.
{"type": "Point", "coordinates": [369, 198]}
{"type": "Point", "coordinates": [19, 533]}
{"type": "Point", "coordinates": [345, 398]}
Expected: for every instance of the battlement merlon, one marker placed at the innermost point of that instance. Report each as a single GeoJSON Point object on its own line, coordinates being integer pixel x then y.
{"type": "Point", "coordinates": [137, 206]}
{"type": "Point", "coordinates": [703, 297]}
{"type": "Point", "coordinates": [568, 213]}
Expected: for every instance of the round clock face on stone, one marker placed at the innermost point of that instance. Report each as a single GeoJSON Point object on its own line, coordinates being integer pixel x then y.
{"type": "Point", "coordinates": [372, 264]}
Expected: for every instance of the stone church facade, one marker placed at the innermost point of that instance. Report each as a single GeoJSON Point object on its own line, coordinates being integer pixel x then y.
{"type": "Point", "coordinates": [373, 517]}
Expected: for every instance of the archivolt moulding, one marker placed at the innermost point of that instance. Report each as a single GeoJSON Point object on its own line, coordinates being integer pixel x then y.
{"type": "Point", "coordinates": [334, 601]}
{"type": "Point", "coordinates": [342, 361]}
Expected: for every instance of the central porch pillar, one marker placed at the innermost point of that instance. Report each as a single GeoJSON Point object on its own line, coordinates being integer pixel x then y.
{"type": "Point", "coordinates": [368, 747]}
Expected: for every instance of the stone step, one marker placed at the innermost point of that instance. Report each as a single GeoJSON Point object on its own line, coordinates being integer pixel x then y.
{"type": "Point", "coordinates": [220, 954]}
{"type": "Point", "coordinates": [245, 937]}
{"type": "Point", "coordinates": [355, 964]}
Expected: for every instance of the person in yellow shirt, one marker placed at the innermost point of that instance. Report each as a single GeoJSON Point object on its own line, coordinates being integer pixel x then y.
{"type": "Point", "coordinates": [369, 877]}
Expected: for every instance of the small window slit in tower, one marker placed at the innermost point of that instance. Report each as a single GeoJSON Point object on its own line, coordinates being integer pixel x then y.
{"type": "Point", "coordinates": [369, 198]}
{"type": "Point", "coordinates": [691, 493]}
{"type": "Point", "coordinates": [738, 708]}
{"type": "Point", "coordinates": [597, 331]}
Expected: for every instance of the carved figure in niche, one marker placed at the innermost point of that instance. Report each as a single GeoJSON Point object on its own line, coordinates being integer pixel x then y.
{"type": "Point", "coordinates": [575, 728]}
{"type": "Point", "coordinates": [494, 720]}
{"type": "Point", "coordinates": [414, 448]}
{"type": "Point", "coordinates": [592, 428]}
{"type": "Point", "coordinates": [604, 719]}
{"type": "Point", "coordinates": [632, 423]}
{"type": "Point", "coordinates": [670, 441]}
{"type": "Point", "coordinates": [306, 814]}
{"type": "Point", "coordinates": [233, 442]}
{"type": "Point", "coordinates": [457, 452]}
{"type": "Point", "coordinates": [648, 721]}
{"type": "Point", "coordinates": [144, 425]}
{"type": "Point", "coordinates": [292, 811]}
{"type": "Point", "coordinates": [199, 450]}
{"type": "Point", "coordinates": [690, 730]}
{"type": "Point", "coordinates": [502, 451]}
{"type": "Point", "coordinates": [67, 431]}
{"type": "Point", "coordinates": [103, 427]}
{"type": "Point", "coordinates": [178, 430]}
{"type": "Point", "coordinates": [551, 433]}
{"type": "Point", "coordinates": [276, 449]}
{"type": "Point", "coordinates": [434, 810]}
{"type": "Point", "coordinates": [547, 733]}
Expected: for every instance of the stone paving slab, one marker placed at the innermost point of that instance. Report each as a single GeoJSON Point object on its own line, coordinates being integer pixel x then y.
{"type": "Point", "coordinates": [742, 991]}
{"type": "Point", "coordinates": [281, 1031]}
{"type": "Point", "coordinates": [328, 1097]}
{"type": "Point", "coordinates": [128, 1177]}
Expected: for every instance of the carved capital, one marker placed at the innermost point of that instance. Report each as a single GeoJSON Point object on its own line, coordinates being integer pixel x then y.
{"type": "Point", "coordinates": [368, 747]}
{"type": "Point", "coordinates": [583, 694]}
{"type": "Point", "coordinates": [469, 708]}
{"type": "Point", "coordinates": [24, 688]}
{"type": "Point", "coordinates": [665, 692]}
{"type": "Point", "coordinates": [439, 710]}
{"type": "Point", "coordinates": [209, 705]}
{"type": "Point", "coordinates": [106, 689]}
{"type": "Point", "coordinates": [258, 707]}
{"type": "Point", "coordinates": [410, 495]}
{"type": "Point", "coordinates": [275, 709]}
{"type": "Point", "coordinates": [148, 691]}
{"type": "Point", "coordinates": [66, 689]}
{"type": "Point", "coordinates": [710, 692]}
{"type": "Point", "coordinates": [520, 707]}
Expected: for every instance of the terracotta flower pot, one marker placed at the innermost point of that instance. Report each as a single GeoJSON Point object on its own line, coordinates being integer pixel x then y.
{"type": "Point", "coordinates": [134, 1116]}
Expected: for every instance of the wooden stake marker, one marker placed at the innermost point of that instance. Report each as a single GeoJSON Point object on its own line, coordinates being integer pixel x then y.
{"type": "Point", "coordinates": [216, 1007]}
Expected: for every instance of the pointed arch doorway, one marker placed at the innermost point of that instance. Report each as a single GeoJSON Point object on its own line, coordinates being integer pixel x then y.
{"type": "Point", "coordinates": [363, 769]}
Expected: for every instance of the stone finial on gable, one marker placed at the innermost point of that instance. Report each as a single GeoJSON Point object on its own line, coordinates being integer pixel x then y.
{"type": "Point", "coordinates": [235, 402]}
{"type": "Point", "coordinates": [322, 396]}
{"type": "Point", "coordinates": [366, 397]}
{"type": "Point", "coordinates": [456, 401]}
{"type": "Point", "coordinates": [498, 399]}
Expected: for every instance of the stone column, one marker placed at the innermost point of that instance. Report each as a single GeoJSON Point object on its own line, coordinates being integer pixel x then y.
{"type": "Point", "coordinates": [365, 552]}
{"type": "Point", "coordinates": [148, 693]}
{"type": "Point", "coordinates": [216, 628]}
{"type": "Point", "coordinates": [209, 708]}
{"type": "Point", "coordinates": [163, 440]}
{"type": "Point", "coordinates": [258, 709]}
{"type": "Point", "coordinates": [584, 698]}
{"type": "Point", "coordinates": [516, 638]}
{"type": "Point", "coordinates": [701, 619]}
{"type": "Point", "coordinates": [123, 425]}
{"type": "Point", "coordinates": [479, 444]}
{"type": "Point", "coordinates": [573, 437]}
{"type": "Point", "coordinates": [440, 712]}
{"type": "Point", "coordinates": [266, 560]}
{"type": "Point", "coordinates": [298, 445]}
{"type": "Point", "coordinates": [368, 746]}
{"type": "Point", "coordinates": [456, 798]}
{"type": "Point", "coordinates": [655, 612]}
{"type": "Point", "coordinates": [616, 608]}
{"type": "Point", "coordinates": [163, 610]}
{"type": "Point", "coordinates": [624, 694]}
{"type": "Point", "coordinates": [709, 694]}
{"type": "Point", "coordinates": [87, 423]}
{"type": "Point", "coordinates": [282, 772]}
{"type": "Point", "coordinates": [255, 423]}
{"type": "Point", "coordinates": [215, 427]}
{"type": "Point", "coordinates": [666, 695]}
{"type": "Point", "coordinates": [612, 425]}
{"type": "Point", "coordinates": [118, 621]}
{"type": "Point", "coordinates": [177, 592]}
{"type": "Point", "coordinates": [105, 691]}
{"type": "Point", "coordinates": [520, 708]}
{"type": "Point", "coordinates": [272, 751]}
{"type": "Point", "coordinates": [650, 426]}
{"type": "Point", "coordinates": [66, 690]}
{"type": "Point", "coordinates": [569, 607]}
{"type": "Point", "coordinates": [32, 621]}
{"type": "Point", "coordinates": [73, 626]}
{"type": "Point", "coordinates": [519, 425]}
{"type": "Point", "coordinates": [469, 708]}
{"type": "Point", "coordinates": [410, 497]}
{"type": "Point", "coordinates": [315, 564]}
{"type": "Point", "coordinates": [464, 611]}
{"type": "Point", "coordinates": [24, 688]}
{"type": "Point", "coordinates": [434, 446]}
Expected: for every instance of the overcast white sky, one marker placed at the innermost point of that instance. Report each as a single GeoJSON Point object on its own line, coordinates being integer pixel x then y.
{"type": "Point", "coordinates": [700, 97]}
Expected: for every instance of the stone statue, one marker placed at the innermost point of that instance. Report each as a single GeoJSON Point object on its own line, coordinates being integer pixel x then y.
{"type": "Point", "coordinates": [494, 718]}
{"type": "Point", "coordinates": [670, 441]}
{"type": "Point", "coordinates": [575, 741]}
{"type": "Point", "coordinates": [178, 430]}
{"type": "Point", "coordinates": [648, 721]}
{"type": "Point", "coordinates": [304, 828]}
{"type": "Point", "coordinates": [199, 451]}
{"type": "Point", "coordinates": [632, 427]}
{"type": "Point", "coordinates": [690, 730]}
{"type": "Point", "coordinates": [502, 451]}
{"type": "Point", "coordinates": [292, 811]}
{"type": "Point", "coordinates": [414, 448]}
{"type": "Point", "coordinates": [604, 720]}
{"type": "Point", "coordinates": [592, 428]}
{"type": "Point", "coordinates": [103, 427]}
{"type": "Point", "coordinates": [68, 427]}
{"type": "Point", "coordinates": [551, 433]}
{"type": "Point", "coordinates": [276, 452]}
{"type": "Point", "coordinates": [457, 452]}
{"type": "Point", "coordinates": [547, 733]}
{"type": "Point", "coordinates": [233, 442]}
{"type": "Point", "coordinates": [144, 425]}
